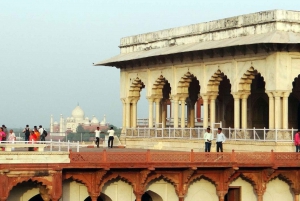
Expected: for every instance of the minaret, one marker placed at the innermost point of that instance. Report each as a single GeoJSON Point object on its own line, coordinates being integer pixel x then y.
{"type": "Point", "coordinates": [61, 124]}
{"type": "Point", "coordinates": [51, 124]}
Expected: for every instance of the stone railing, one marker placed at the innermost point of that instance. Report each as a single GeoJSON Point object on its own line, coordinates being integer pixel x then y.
{"type": "Point", "coordinates": [192, 159]}
{"type": "Point", "coordinates": [263, 134]}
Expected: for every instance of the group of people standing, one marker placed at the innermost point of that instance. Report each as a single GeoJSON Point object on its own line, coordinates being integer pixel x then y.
{"type": "Point", "coordinates": [111, 134]}
{"type": "Point", "coordinates": [208, 138]}
{"type": "Point", "coordinates": [6, 136]}
{"type": "Point", "coordinates": [35, 134]}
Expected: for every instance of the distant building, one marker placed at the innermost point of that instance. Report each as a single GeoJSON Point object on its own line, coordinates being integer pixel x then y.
{"type": "Point", "coordinates": [77, 118]}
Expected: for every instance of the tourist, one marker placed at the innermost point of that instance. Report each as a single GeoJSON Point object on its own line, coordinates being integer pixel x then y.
{"type": "Point", "coordinates": [97, 136]}
{"type": "Point", "coordinates": [111, 133]}
{"type": "Point", "coordinates": [208, 137]}
{"type": "Point", "coordinates": [37, 133]}
{"type": "Point", "coordinates": [26, 131]}
{"type": "Point", "coordinates": [220, 139]}
{"type": "Point", "coordinates": [6, 133]}
{"type": "Point", "coordinates": [32, 140]}
{"type": "Point", "coordinates": [11, 137]}
{"type": "Point", "coordinates": [297, 141]}
{"type": "Point", "coordinates": [41, 131]}
{"type": "Point", "coordinates": [2, 133]}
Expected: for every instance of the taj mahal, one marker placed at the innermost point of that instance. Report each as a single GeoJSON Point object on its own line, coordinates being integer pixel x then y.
{"type": "Point", "coordinates": [70, 124]}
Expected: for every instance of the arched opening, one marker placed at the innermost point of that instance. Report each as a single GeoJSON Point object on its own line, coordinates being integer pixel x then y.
{"type": "Point", "coordinates": [258, 104]}
{"type": "Point", "coordinates": [201, 189]}
{"type": "Point", "coordinates": [29, 190]}
{"type": "Point", "coordinates": [193, 96]}
{"type": "Point", "coordinates": [294, 105]}
{"type": "Point", "coordinates": [117, 189]}
{"type": "Point", "coordinates": [74, 190]}
{"type": "Point", "coordinates": [224, 104]}
{"type": "Point", "coordinates": [157, 189]}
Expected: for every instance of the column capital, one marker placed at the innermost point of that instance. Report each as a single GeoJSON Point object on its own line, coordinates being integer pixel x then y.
{"type": "Point", "coordinates": [150, 99]}
{"type": "Point", "coordinates": [213, 96]}
{"type": "Point", "coordinates": [205, 96]}
{"type": "Point", "coordinates": [174, 98]}
{"type": "Point", "coordinates": [134, 100]}
{"type": "Point", "coordinates": [270, 94]}
{"type": "Point", "coordinates": [286, 94]}
{"type": "Point", "coordinates": [236, 95]}
{"type": "Point", "coordinates": [245, 95]}
{"type": "Point", "coordinates": [157, 100]}
{"type": "Point", "coordinates": [277, 94]}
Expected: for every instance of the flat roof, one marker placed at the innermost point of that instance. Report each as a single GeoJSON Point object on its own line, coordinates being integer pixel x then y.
{"type": "Point", "coordinates": [275, 26]}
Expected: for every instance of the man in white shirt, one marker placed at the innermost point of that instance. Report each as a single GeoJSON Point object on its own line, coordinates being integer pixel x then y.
{"type": "Point", "coordinates": [97, 136]}
{"type": "Point", "coordinates": [220, 139]}
{"type": "Point", "coordinates": [208, 137]}
{"type": "Point", "coordinates": [41, 130]}
{"type": "Point", "coordinates": [111, 134]}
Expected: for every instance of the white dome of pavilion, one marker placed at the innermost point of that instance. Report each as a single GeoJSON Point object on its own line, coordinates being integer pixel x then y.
{"type": "Point", "coordinates": [94, 120]}
{"type": "Point", "coordinates": [78, 113]}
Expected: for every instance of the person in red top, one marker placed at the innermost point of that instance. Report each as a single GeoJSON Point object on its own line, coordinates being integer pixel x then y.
{"type": "Point", "coordinates": [32, 140]}
{"type": "Point", "coordinates": [297, 141]}
{"type": "Point", "coordinates": [2, 136]}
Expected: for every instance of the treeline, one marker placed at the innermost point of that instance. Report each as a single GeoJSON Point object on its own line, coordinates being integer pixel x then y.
{"type": "Point", "coordinates": [86, 135]}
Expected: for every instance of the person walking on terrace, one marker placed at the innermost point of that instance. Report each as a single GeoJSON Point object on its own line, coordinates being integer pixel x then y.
{"type": "Point", "coordinates": [220, 139]}
{"type": "Point", "coordinates": [111, 134]}
{"type": "Point", "coordinates": [97, 136]}
{"type": "Point", "coordinates": [208, 137]}
{"type": "Point", "coordinates": [297, 141]}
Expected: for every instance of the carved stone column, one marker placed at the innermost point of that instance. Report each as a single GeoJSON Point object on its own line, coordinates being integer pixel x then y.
{"type": "Point", "coordinates": [163, 112]}
{"type": "Point", "coordinates": [128, 117]}
{"type": "Point", "coordinates": [205, 112]}
{"type": "Point", "coordinates": [175, 107]}
{"type": "Point", "coordinates": [212, 110]}
{"type": "Point", "coordinates": [285, 109]}
{"type": "Point", "coordinates": [278, 112]}
{"type": "Point", "coordinates": [134, 111]}
{"type": "Point", "coordinates": [182, 123]}
{"type": "Point", "coordinates": [157, 111]}
{"type": "Point", "coordinates": [181, 198]}
{"type": "Point", "coordinates": [123, 115]}
{"type": "Point", "coordinates": [150, 123]}
{"type": "Point", "coordinates": [271, 110]}
{"type": "Point", "coordinates": [192, 114]}
{"type": "Point", "coordinates": [244, 110]}
{"type": "Point", "coordinates": [236, 110]}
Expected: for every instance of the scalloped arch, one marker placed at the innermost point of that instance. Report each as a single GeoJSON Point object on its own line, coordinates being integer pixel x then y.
{"type": "Point", "coordinates": [161, 176]}
{"type": "Point", "coordinates": [246, 79]}
{"type": "Point", "coordinates": [117, 176]}
{"type": "Point", "coordinates": [135, 88]}
{"type": "Point", "coordinates": [199, 177]}
{"type": "Point", "coordinates": [214, 81]}
{"type": "Point", "coordinates": [20, 180]}
{"type": "Point", "coordinates": [159, 85]}
{"type": "Point", "coordinates": [185, 81]}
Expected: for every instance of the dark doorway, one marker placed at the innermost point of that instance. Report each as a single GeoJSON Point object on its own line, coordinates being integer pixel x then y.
{"type": "Point", "coordinates": [234, 194]}
{"type": "Point", "coordinates": [146, 197]}
{"type": "Point", "coordinates": [37, 197]}
{"type": "Point", "coordinates": [298, 116]}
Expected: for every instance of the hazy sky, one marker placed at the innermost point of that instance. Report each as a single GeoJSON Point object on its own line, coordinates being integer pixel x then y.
{"type": "Point", "coordinates": [47, 49]}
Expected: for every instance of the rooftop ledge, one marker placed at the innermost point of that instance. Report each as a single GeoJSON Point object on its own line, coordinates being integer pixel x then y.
{"type": "Point", "coordinates": [253, 19]}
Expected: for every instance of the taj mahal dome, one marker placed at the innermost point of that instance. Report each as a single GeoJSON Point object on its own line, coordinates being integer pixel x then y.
{"type": "Point", "coordinates": [77, 118]}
